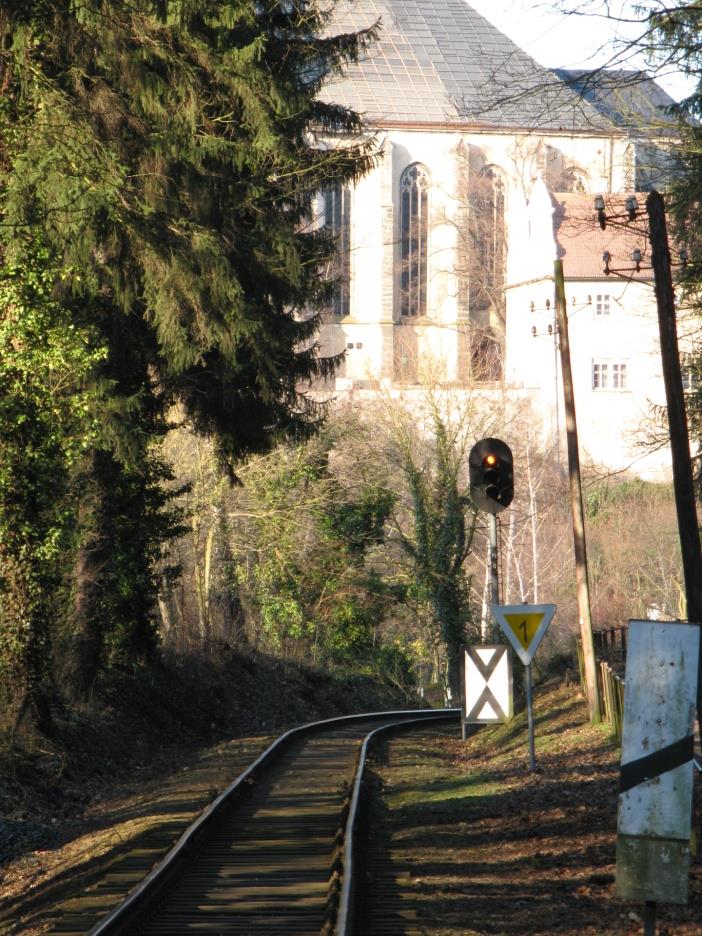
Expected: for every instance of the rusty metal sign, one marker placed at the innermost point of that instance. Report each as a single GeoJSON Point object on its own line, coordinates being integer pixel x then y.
{"type": "Point", "coordinates": [655, 799]}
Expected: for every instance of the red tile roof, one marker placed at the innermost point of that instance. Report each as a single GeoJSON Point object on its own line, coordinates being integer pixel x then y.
{"type": "Point", "coordinates": [581, 241]}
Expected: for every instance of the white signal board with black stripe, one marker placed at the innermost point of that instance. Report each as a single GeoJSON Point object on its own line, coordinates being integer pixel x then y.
{"type": "Point", "coordinates": [655, 799]}
{"type": "Point", "coordinates": [488, 685]}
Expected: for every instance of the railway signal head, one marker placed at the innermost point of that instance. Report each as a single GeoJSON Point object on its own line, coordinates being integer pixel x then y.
{"type": "Point", "coordinates": [491, 470]}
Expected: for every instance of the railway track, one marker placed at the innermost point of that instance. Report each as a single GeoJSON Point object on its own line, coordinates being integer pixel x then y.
{"type": "Point", "coordinates": [275, 852]}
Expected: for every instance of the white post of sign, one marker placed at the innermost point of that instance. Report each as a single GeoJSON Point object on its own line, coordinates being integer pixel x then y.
{"type": "Point", "coordinates": [655, 801]}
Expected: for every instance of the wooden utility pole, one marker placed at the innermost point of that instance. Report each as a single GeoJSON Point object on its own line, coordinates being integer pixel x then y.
{"type": "Point", "coordinates": [683, 485]}
{"type": "Point", "coordinates": [576, 502]}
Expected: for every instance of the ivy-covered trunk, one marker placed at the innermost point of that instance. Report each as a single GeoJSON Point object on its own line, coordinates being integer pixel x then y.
{"type": "Point", "coordinates": [450, 610]}
{"type": "Point", "coordinates": [44, 422]}
{"type": "Point", "coordinates": [441, 541]}
{"type": "Point", "coordinates": [126, 520]}
{"type": "Point", "coordinates": [451, 547]}
{"type": "Point", "coordinates": [88, 613]}
{"type": "Point", "coordinates": [24, 644]}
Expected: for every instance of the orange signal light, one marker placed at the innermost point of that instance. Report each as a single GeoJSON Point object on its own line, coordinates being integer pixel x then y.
{"type": "Point", "coordinates": [490, 460]}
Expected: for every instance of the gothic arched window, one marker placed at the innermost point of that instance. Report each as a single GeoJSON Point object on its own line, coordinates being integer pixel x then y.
{"type": "Point", "coordinates": [336, 218]}
{"type": "Point", "coordinates": [414, 232]}
{"type": "Point", "coordinates": [488, 245]}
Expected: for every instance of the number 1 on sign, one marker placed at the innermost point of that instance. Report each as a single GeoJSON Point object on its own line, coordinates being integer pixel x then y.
{"type": "Point", "coordinates": [524, 626]}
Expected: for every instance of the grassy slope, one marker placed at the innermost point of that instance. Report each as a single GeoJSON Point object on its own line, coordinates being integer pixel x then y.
{"type": "Point", "coordinates": [481, 845]}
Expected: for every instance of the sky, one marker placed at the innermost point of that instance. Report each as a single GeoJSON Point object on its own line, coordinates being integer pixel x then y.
{"type": "Point", "coordinates": [587, 39]}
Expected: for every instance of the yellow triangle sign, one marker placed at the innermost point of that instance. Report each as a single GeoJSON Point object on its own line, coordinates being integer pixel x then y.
{"type": "Point", "coordinates": [524, 626]}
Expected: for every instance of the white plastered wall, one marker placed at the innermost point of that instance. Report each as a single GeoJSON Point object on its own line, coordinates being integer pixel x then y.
{"type": "Point", "coordinates": [615, 425]}
{"type": "Point", "coordinates": [611, 422]}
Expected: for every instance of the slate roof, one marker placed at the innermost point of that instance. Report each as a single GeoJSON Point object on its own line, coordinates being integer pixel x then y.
{"type": "Point", "coordinates": [630, 99]}
{"type": "Point", "coordinates": [439, 61]}
{"type": "Point", "coordinates": [581, 241]}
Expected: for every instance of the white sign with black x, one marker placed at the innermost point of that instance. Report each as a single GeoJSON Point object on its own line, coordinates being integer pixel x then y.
{"type": "Point", "coordinates": [488, 685]}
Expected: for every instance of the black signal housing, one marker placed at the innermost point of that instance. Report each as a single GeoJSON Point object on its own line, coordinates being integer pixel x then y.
{"type": "Point", "coordinates": [491, 468]}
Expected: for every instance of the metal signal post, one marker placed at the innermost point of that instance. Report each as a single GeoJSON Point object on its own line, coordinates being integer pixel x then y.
{"type": "Point", "coordinates": [494, 585]}
{"type": "Point", "coordinates": [491, 468]}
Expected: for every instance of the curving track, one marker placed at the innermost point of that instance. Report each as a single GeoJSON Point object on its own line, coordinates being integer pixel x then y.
{"type": "Point", "coordinates": [267, 856]}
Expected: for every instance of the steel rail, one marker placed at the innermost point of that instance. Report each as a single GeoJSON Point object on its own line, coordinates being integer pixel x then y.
{"type": "Point", "coordinates": [345, 920]}
{"type": "Point", "coordinates": [119, 919]}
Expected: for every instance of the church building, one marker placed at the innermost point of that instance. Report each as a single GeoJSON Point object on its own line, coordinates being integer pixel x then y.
{"type": "Point", "coordinates": [487, 167]}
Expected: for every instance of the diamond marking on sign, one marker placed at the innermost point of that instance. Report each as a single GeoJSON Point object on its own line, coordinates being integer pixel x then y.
{"type": "Point", "coordinates": [485, 653]}
{"type": "Point", "coordinates": [488, 685]}
{"type": "Point", "coordinates": [524, 626]}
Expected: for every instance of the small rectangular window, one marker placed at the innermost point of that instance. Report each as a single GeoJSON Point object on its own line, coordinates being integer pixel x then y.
{"type": "Point", "coordinates": [599, 376]}
{"type": "Point", "coordinates": [690, 373]}
{"type": "Point", "coordinates": [602, 304]}
{"type": "Point", "coordinates": [690, 380]}
{"type": "Point", "coordinates": [609, 375]}
{"type": "Point", "coordinates": [619, 376]}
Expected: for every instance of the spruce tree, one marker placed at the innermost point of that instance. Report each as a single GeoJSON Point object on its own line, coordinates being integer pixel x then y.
{"type": "Point", "coordinates": [167, 149]}
{"type": "Point", "coordinates": [164, 150]}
